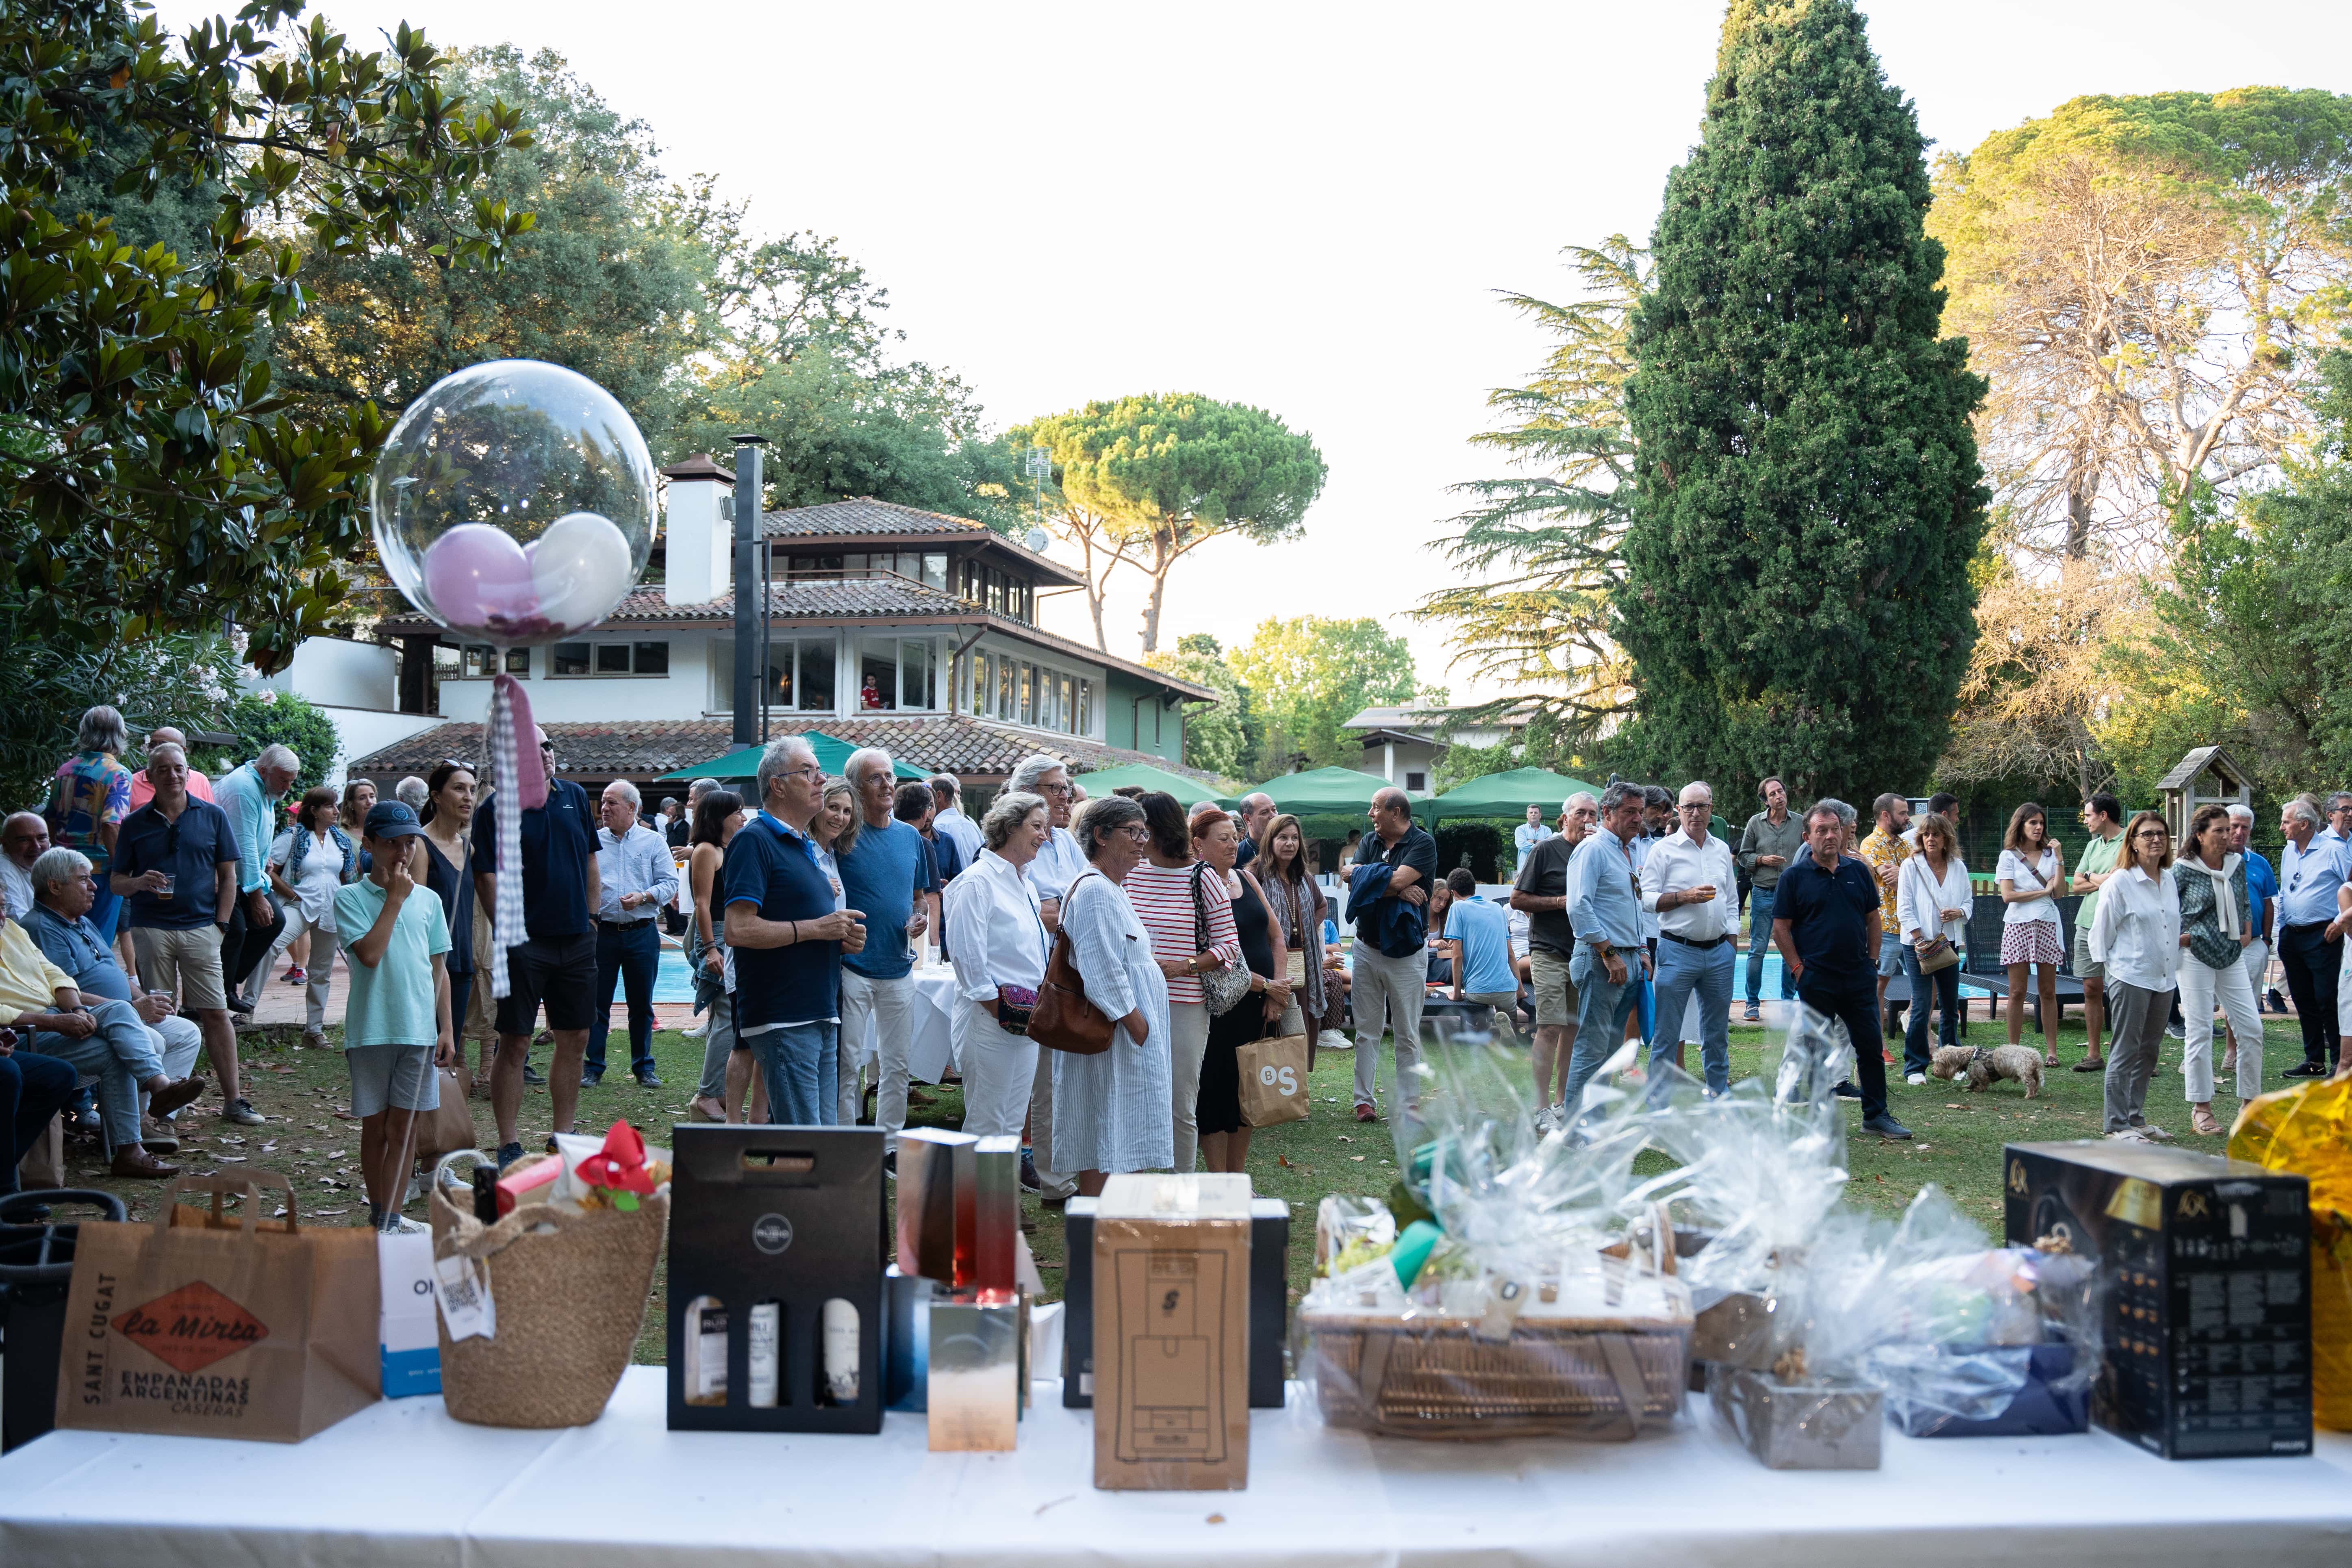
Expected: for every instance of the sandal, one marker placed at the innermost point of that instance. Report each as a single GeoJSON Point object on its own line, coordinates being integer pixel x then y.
{"type": "Point", "coordinates": [2202, 1122]}
{"type": "Point", "coordinates": [2050, 1058]}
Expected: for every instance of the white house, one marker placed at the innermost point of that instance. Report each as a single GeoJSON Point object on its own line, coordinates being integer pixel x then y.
{"type": "Point", "coordinates": [1402, 744]}
{"type": "Point", "coordinates": [885, 624]}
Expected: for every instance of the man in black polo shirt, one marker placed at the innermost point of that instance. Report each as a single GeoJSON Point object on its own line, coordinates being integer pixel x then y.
{"type": "Point", "coordinates": [1825, 923]}
{"type": "Point", "coordinates": [557, 962]}
{"type": "Point", "coordinates": [1541, 893]}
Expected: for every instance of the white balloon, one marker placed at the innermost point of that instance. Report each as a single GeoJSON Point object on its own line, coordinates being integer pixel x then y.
{"type": "Point", "coordinates": [582, 569]}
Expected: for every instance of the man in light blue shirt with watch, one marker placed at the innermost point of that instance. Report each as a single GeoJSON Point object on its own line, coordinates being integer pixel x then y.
{"type": "Point", "coordinates": [249, 796]}
{"type": "Point", "coordinates": [1604, 910]}
{"type": "Point", "coordinates": [2310, 937]}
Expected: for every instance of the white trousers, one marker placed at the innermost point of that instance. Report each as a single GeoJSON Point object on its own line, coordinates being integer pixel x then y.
{"type": "Point", "coordinates": [998, 1070]}
{"type": "Point", "coordinates": [1187, 1042]}
{"type": "Point", "coordinates": [889, 1005]}
{"type": "Point", "coordinates": [2201, 989]}
{"type": "Point", "coordinates": [319, 969]}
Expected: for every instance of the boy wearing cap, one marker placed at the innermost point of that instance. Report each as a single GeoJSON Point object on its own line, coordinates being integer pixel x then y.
{"type": "Point", "coordinates": [398, 1012]}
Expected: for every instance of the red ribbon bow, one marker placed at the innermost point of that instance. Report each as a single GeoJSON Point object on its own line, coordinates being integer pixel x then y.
{"type": "Point", "coordinates": [620, 1164]}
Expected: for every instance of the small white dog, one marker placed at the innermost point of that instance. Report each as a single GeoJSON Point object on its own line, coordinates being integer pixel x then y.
{"type": "Point", "coordinates": [1980, 1067]}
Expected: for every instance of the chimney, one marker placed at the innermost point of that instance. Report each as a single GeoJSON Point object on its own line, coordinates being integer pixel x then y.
{"type": "Point", "coordinates": [697, 565]}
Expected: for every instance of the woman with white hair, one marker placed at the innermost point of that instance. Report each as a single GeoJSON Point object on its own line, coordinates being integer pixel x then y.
{"type": "Point", "coordinates": [1111, 1109]}
{"type": "Point", "coordinates": [999, 965]}
{"type": "Point", "coordinates": [89, 798]}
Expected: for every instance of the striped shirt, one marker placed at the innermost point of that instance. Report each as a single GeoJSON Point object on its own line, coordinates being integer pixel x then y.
{"type": "Point", "coordinates": [1163, 897]}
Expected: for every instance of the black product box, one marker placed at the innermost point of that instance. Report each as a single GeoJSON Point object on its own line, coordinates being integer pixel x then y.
{"type": "Point", "coordinates": [1270, 1303]}
{"type": "Point", "coordinates": [776, 1252]}
{"type": "Point", "coordinates": [2204, 1284]}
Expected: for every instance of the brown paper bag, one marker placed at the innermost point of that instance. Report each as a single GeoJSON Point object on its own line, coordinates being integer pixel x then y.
{"type": "Point", "coordinates": [450, 1126]}
{"type": "Point", "coordinates": [1274, 1079]}
{"type": "Point", "coordinates": [201, 1323]}
{"type": "Point", "coordinates": [44, 1164]}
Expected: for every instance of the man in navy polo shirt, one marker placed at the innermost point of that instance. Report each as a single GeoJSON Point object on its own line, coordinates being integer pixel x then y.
{"type": "Point", "coordinates": [787, 939]}
{"type": "Point", "coordinates": [556, 962]}
{"type": "Point", "coordinates": [1825, 923]}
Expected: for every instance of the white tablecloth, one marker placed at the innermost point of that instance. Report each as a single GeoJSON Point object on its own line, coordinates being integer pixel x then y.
{"type": "Point", "coordinates": [400, 1483]}
{"type": "Point", "coordinates": [931, 1054]}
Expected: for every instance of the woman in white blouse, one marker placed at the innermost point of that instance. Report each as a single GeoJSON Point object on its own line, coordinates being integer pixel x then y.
{"type": "Point", "coordinates": [999, 967]}
{"type": "Point", "coordinates": [1111, 1109]}
{"type": "Point", "coordinates": [2137, 935]}
{"type": "Point", "coordinates": [305, 866]}
{"type": "Point", "coordinates": [2031, 870]}
{"type": "Point", "coordinates": [1931, 902]}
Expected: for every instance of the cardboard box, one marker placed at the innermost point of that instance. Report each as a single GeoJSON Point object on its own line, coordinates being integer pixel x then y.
{"type": "Point", "coordinates": [2204, 1283]}
{"type": "Point", "coordinates": [1172, 1333]}
{"type": "Point", "coordinates": [409, 1343]}
{"type": "Point", "coordinates": [771, 1223]}
{"type": "Point", "coordinates": [1269, 1304]}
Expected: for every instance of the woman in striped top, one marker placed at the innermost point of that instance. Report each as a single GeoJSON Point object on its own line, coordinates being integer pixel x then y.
{"type": "Point", "coordinates": [1160, 889]}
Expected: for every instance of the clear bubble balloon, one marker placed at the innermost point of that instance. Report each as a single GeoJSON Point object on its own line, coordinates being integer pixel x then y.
{"type": "Point", "coordinates": [514, 502]}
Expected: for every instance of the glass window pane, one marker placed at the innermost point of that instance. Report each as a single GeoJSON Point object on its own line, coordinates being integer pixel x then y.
{"type": "Point", "coordinates": [518, 661]}
{"type": "Point", "coordinates": [816, 676]}
{"type": "Point", "coordinates": [1085, 707]}
{"type": "Point", "coordinates": [916, 675]}
{"type": "Point", "coordinates": [780, 674]}
{"type": "Point", "coordinates": [653, 658]}
{"type": "Point", "coordinates": [447, 660]}
{"type": "Point", "coordinates": [570, 658]}
{"type": "Point", "coordinates": [1006, 677]}
{"type": "Point", "coordinates": [876, 674]}
{"type": "Point", "coordinates": [935, 570]}
{"type": "Point", "coordinates": [613, 659]}
{"type": "Point", "coordinates": [1066, 717]}
{"type": "Point", "coordinates": [1028, 694]}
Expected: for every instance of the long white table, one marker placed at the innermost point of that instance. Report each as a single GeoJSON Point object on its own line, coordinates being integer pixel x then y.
{"type": "Point", "coordinates": [402, 1483]}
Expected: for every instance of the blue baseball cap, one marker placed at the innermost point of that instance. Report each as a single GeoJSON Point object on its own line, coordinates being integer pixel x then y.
{"type": "Point", "coordinates": [392, 819]}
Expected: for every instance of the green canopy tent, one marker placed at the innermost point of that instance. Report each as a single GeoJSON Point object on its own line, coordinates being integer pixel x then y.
{"type": "Point", "coordinates": [1507, 795]}
{"type": "Point", "coordinates": [832, 755]}
{"type": "Point", "coordinates": [1321, 792]}
{"type": "Point", "coordinates": [1189, 792]}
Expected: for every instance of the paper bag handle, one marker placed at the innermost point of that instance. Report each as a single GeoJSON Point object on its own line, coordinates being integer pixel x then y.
{"type": "Point", "coordinates": [250, 1182]}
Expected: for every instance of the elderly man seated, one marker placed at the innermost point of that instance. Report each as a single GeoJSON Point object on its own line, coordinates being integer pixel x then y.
{"type": "Point", "coordinates": [23, 837]}
{"type": "Point", "coordinates": [59, 981]}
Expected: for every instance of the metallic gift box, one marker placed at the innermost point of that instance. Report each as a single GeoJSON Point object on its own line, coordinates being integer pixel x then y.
{"type": "Point", "coordinates": [976, 1373]}
{"type": "Point", "coordinates": [938, 1187]}
{"type": "Point", "coordinates": [1820, 1423]}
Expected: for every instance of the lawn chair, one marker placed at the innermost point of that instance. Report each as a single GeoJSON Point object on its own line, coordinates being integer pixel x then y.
{"type": "Point", "coordinates": [1983, 966]}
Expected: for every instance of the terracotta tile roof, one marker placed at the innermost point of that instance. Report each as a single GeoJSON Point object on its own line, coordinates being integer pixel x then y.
{"type": "Point", "coordinates": [863, 515]}
{"type": "Point", "coordinates": [640, 750]}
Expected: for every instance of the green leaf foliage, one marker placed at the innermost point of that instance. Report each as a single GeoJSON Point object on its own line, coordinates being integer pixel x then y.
{"type": "Point", "coordinates": [154, 477]}
{"type": "Point", "coordinates": [183, 679]}
{"type": "Point", "coordinates": [1225, 738]}
{"type": "Point", "coordinates": [1310, 674]}
{"type": "Point", "coordinates": [1797, 596]}
{"type": "Point", "coordinates": [276, 718]}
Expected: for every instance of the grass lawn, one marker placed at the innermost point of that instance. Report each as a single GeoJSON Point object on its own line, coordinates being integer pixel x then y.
{"type": "Point", "coordinates": [311, 1140]}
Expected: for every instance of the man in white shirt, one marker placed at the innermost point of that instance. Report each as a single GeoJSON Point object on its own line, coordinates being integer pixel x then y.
{"type": "Point", "coordinates": [1688, 885]}
{"type": "Point", "coordinates": [23, 837]}
{"type": "Point", "coordinates": [1530, 833]}
{"type": "Point", "coordinates": [634, 878]}
{"type": "Point", "coordinates": [950, 818]}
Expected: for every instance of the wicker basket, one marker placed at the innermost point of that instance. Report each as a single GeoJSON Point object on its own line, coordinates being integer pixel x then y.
{"type": "Point", "coordinates": [570, 1302]}
{"type": "Point", "coordinates": [1433, 1376]}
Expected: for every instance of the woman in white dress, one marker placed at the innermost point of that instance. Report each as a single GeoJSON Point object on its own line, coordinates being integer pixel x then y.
{"type": "Point", "coordinates": [1111, 1109]}
{"type": "Point", "coordinates": [306, 864]}
{"type": "Point", "coordinates": [1000, 966]}
{"type": "Point", "coordinates": [2032, 873]}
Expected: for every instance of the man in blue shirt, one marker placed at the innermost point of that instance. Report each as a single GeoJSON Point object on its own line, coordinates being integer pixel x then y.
{"type": "Point", "coordinates": [1825, 922]}
{"type": "Point", "coordinates": [249, 796]}
{"type": "Point", "coordinates": [1387, 900]}
{"type": "Point", "coordinates": [1604, 910]}
{"type": "Point", "coordinates": [175, 866]}
{"type": "Point", "coordinates": [1480, 936]}
{"type": "Point", "coordinates": [886, 874]}
{"type": "Point", "coordinates": [2310, 938]}
{"type": "Point", "coordinates": [635, 880]}
{"type": "Point", "coordinates": [917, 805]}
{"type": "Point", "coordinates": [556, 961]}
{"type": "Point", "coordinates": [2262, 893]}
{"type": "Point", "coordinates": [788, 939]}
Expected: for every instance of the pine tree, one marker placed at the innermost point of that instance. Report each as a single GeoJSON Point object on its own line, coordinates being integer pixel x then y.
{"type": "Point", "coordinates": [1798, 597]}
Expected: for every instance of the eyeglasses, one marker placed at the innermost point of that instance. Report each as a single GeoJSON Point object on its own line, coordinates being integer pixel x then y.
{"type": "Point", "coordinates": [1699, 805]}
{"type": "Point", "coordinates": [2156, 835]}
{"type": "Point", "coordinates": [1054, 789]}
{"type": "Point", "coordinates": [1138, 832]}
{"type": "Point", "coordinates": [807, 773]}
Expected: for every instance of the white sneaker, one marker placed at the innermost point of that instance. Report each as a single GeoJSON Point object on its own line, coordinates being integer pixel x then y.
{"type": "Point", "coordinates": [2152, 1132]}
{"type": "Point", "coordinates": [2129, 1135]}
{"type": "Point", "coordinates": [699, 1032]}
{"type": "Point", "coordinates": [401, 1225]}
{"type": "Point", "coordinates": [1918, 1081]}
{"type": "Point", "coordinates": [1333, 1040]}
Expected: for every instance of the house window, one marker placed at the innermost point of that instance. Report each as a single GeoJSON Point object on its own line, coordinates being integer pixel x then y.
{"type": "Point", "coordinates": [609, 658]}
{"type": "Point", "coordinates": [480, 661]}
{"type": "Point", "coordinates": [800, 674]}
{"type": "Point", "coordinates": [1416, 781]}
{"type": "Point", "coordinates": [935, 569]}
{"type": "Point", "coordinates": [895, 673]}
{"type": "Point", "coordinates": [1085, 707]}
{"type": "Point", "coordinates": [1028, 694]}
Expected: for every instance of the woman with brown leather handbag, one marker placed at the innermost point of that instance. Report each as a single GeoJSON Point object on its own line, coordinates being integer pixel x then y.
{"type": "Point", "coordinates": [1110, 1105]}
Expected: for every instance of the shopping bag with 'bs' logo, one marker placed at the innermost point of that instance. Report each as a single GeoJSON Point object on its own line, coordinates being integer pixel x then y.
{"type": "Point", "coordinates": [207, 1324]}
{"type": "Point", "coordinates": [1274, 1079]}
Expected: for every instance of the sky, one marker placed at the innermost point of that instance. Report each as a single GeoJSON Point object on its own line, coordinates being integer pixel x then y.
{"type": "Point", "coordinates": [1310, 208]}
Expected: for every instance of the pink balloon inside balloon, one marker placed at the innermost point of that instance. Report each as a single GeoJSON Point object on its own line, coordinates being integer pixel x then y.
{"type": "Point", "coordinates": [477, 578]}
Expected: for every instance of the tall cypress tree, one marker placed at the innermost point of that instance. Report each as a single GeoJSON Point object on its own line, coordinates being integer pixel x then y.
{"type": "Point", "coordinates": [1797, 569]}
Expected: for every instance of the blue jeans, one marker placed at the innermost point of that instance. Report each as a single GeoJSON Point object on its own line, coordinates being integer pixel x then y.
{"type": "Point", "coordinates": [121, 1055]}
{"type": "Point", "coordinates": [799, 1063]}
{"type": "Point", "coordinates": [1601, 1010]}
{"type": "Point", "coordinates": [631, 953]}
{"type": "Point", "coordinates": [1946, 984]}
{"type": "Point", "coordinates": [1682, 968]}
{"type": "Point", "coordinates": [33, 1089]}
{"type": "Point", "coordinates": [1759, 937]}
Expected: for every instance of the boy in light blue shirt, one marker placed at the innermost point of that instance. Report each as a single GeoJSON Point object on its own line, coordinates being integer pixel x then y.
{"type": "Point", "coordinates": [397, 1014]}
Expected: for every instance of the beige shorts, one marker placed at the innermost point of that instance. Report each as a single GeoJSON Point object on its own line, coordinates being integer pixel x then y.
{"type": "Point", "coordinates": [186, 963]}
{"type": "Point", "coordinates": [2085, 966]}
{"type": "Point", "coordinates": [1555, 993]}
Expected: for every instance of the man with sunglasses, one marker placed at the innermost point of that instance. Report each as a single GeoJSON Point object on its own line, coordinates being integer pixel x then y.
{"type": "Point", "coordinates": [175, 866]}
{"type": "Point", "coordinates": [556, 961]}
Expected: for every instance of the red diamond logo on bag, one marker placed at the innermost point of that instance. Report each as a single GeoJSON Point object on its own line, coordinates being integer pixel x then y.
{"type": "Point", "coordinates": [191, 1328]}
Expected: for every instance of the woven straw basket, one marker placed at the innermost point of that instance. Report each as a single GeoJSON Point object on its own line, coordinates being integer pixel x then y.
{"type": "Point", "coordinates": [1433, 1377]}
{"type": "Point", "coordinates": [570, 1302]}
